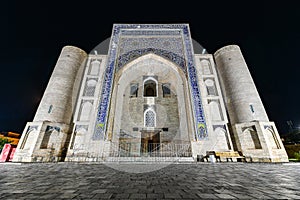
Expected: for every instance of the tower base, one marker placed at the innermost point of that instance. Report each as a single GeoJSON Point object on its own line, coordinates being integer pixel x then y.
{"type": "Point", "coordinates": [259, 141]}
{"type": "Point", "coordinates": [42, 142]}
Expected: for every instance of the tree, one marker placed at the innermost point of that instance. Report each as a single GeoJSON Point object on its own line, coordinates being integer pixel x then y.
{"type": "Point", "coordinates": [292, 137]}
{"type": "Point", "coordinates": [3, 141]}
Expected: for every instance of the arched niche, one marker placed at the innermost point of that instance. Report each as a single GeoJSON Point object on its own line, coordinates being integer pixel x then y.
{"type": "Point", "coordinates": [206, 67]}
{"type": "Point", "coordinates": [150, 87]}
{"type": "Point", "coordinates": [94, 67]}
{"type": "Point", "coordinates": [150, 66]}
{"type": "Point", "coordinates": [250, 139]}
{"type": "Point", "coordinates": [210, 87]}
{"type": "Point", "coordinates": [85, 112]}
{"type": "Point", "coordinates": [222, 142]}
{"type": "Point", "coordinates": [271, 136]}
{"type": "Point", "coordinates": [90, 87]}
{"type": "Point", "coordinates": [29, 140]}
{"type": "Point", "coordinates": [215, 111]}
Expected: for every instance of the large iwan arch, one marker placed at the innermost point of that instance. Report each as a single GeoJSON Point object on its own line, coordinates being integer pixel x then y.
{"type": "Point", "coordinates": [171, 114]}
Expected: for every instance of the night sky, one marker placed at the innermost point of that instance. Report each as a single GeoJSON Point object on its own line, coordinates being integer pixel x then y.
{"type": "Point", "coordinates": [33, 34]}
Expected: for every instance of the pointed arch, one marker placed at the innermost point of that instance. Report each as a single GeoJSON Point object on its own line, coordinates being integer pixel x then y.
{"type": "Point", "coordinates": [158, 65]}
{"type": "Point", "coordinates": [94, 67]}
{"type": "Point", "coordinates": [210, 87]}
{"type": "Point", "coordinates": [215, 111]}
{"type": "Point", "coordinates": [150, 87]}
{"type": "Point", "coordinates": [90, 87]}
{"type": "Point", "coordinates": [222, 141]}
{"type": "Point", "coordinates": [272, 138]}
{"type": "Point", "coordinates": [149, 118]}
{"type": "Point", "coordinates": [206, 67]}
{"type": "Point", "coordinates": [30, 136]}
{"type": "Point", "coordinates": [250, 138]}
{"type": "Point", "coordinates": [136, 54]}
{"type": "Point", "coordinates": [85, 112]}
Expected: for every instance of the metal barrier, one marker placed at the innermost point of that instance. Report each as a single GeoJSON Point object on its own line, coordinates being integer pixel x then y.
{"type": "Point", "coordinates": [135, 152]}
{"type": "Point", "coordinates": [150, 150]}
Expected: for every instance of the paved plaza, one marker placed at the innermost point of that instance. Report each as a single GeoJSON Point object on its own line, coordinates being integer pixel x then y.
{"type": "Point", "coordinates": [149, 181]}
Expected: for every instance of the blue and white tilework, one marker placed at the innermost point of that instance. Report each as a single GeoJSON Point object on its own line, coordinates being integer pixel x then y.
{"type": "Point", "coordinates": [129, 41]}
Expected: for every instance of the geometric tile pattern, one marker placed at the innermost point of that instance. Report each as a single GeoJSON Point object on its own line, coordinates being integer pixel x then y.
{"type": "Point", "coordinates": [131, 55]}
{"type": "Point", "coordinates": [176, 46]}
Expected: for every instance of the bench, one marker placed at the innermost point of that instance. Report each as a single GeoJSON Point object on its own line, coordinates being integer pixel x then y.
{"type": "Point", "coordinates": [229, 155]}
{"type": "Point", "coordinates": [225, 154]}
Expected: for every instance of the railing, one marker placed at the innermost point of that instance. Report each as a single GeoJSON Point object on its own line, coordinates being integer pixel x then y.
{"type": "Point", "coordinates": [150, 150]}
{"type": "Point", "coordinates": [133, 152]}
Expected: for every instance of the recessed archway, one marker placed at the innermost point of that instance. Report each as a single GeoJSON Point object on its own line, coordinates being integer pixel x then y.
{"type": "Point", "coordinates": [150, 72]}
{"type": "Point", "coordinates": [150, 87]}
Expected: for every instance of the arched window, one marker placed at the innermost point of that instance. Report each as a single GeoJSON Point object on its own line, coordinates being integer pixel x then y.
{"type": "Point", "coordinates": [150, 87]}
{"type": "Point", "coordinates": [149, 118]}
{"type": "Point", "coordinates": [134, 89]}
{"type": "Point", "coordinates": [166, 90]}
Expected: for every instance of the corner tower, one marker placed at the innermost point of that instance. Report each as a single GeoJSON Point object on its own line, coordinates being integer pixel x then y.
{"type": "Point", "coordinates": [254, 134]}
{"type": "Point", "coordinates": [45, 138]}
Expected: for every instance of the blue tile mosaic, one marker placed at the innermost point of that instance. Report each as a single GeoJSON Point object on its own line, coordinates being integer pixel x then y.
{"type": "Point", "coordinates": [131, 55]}
{"type": "Point", "coordinates": [171, 41]}
{"type": "Point", "coordinates": [167, 43]}
{"type": "Point", "coordinates": [201, 129]}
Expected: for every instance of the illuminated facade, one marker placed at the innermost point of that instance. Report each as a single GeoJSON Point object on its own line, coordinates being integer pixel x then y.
{"type": "Point", "coordinates": [156, 93]}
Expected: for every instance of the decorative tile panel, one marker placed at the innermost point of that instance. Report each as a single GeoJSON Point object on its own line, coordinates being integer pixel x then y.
{"type": "Point", "coordinates": [131, 55]}
{"type": "Point", "coordinates": [129, 41]}
{"type": "Point", "coordinates": [201, 129]}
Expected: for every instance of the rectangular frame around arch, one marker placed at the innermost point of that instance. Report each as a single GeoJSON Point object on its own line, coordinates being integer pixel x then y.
{"type": "Point", "coordinates": [183, 29]}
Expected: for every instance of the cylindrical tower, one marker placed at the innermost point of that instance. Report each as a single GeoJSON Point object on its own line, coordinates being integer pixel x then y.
{"type": "Point", "coordinates": [241, 96]}
{"type": "Point", "coordinates": [57, 104]}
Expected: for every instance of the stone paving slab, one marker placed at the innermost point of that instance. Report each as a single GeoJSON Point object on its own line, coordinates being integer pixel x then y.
{"type": "Point", "coordinates": [174, 181]}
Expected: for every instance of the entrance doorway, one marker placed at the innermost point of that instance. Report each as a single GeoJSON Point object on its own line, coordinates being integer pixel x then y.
{"type": "Point", "coordinates": [150, 143]}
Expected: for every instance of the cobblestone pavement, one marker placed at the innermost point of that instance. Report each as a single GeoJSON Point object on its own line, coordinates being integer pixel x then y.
{"type": "Point", "coordinates": [175, 181]}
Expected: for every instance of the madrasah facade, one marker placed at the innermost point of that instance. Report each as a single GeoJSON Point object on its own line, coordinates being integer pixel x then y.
{"type": "Point", "coordinates": [154, 93]}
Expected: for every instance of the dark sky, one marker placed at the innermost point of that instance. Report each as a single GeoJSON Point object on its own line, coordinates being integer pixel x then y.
{"type": "Point", "coordinates": [33, 33]}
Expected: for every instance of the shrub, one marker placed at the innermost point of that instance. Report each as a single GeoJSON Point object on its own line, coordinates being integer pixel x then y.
{"type": "Point", "coordinates": [297, 155]}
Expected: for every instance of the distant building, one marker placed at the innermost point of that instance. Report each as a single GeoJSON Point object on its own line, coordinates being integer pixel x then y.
{"type": "Point", "coordinates": [7, 150]}
{"type": "Point", "coordinates": [12, 137]}
{"type": "Point", "coordinates": [152, 95]}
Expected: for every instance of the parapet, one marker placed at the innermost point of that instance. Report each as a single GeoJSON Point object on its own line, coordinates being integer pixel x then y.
{"type": "Point", "coordinates": [70, 48]}
{"type": "Point", "coordinates": [226, 49]}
